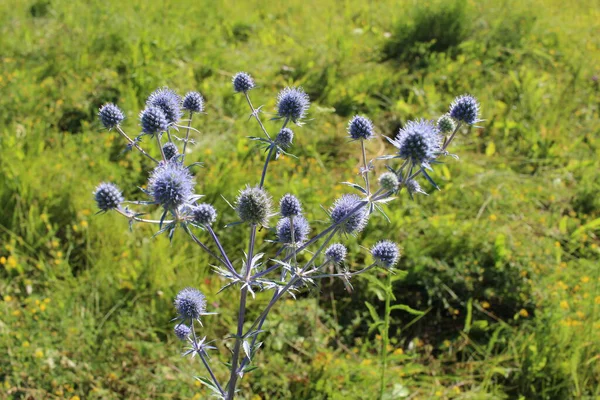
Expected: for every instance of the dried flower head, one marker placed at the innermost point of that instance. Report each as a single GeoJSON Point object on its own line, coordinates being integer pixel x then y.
{"type": "Point", "coordinates": [360, 128]}
{"type": "Point", "coordinates": [466, 109]}
{"type": "Point", "coordinates": [110, 115]}
{"type": "Point", "coordinates": [242, 82]}
{"type": "Point", "coordinates": [253, 206]}
{"type": "Point", "coordinates": [292, 103]}
{"type": "Point", "coordinates": [301, 230]}
{"type": "Point", "coordinates": [289, 205]}
{"type": "Point", "coordinates": [168, 101]}
{"type": "Point", "coordinates": [190, 303]}
{"type": "Point", "coordinates": [446, 124]}
{"type": "Point", "coordinates": [284, 138]}
{"type": "Point", "coordinates": [171, 184]}
{"type": "Point", "coordinates": [336, 252]}
{"type": "Point", "coordinates": [182, 331]}
{"type": "Point", "coordinates": [386, 253]}
{"type": "Point", "coordinates": [108, 196]}
{"type": "Point", "coordinates": [153, 120]}
{"type": "Point", "coordinates": [193, 102]}
{"type": "Point", "coordinates": [344, 207]}
{"type": "Point", "coordinates": [418, 141]}
{"type": "Point", "coordinates": [204, 214]}
{"type": "Point", "coordinates": [389, 181]}
{"type": "Point", "coordinates": [170, 150]}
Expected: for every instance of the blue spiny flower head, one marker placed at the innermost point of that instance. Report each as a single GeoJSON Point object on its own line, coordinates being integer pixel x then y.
{"type": "Point", "coordinates": [182, 331]}
{"type": "Point", "coordinates": [108, 196]}
{"type": "Point", "coordinates": [343, 207]}
{"type": "Point", "coordinates": [360, 128]}
{"type": "Point", "coordinates": [292, 103]}
{"type": "Point", "coordinates": [466, 109]}
{"type": "Point", "coordinates": [242, 82]}
{"type": "Point", "coordinates": [289, 206]}
{"type": "Point", "coordinates": [386, 253]}
{"type": "Point", "coordinates": [301, 230]}
{"type": "Point", "coordinates": [336, 252]}
{"type": "Point", "coordinates": [168, 101]}
{"type": "Point", "coordinates": [413, 187]}
{"type": "Point", "coordinates": [153, 120]}
{"type": "Point", "coordinates": [253, 206]}
{"type": "Point", "coordinates": [110, 115]}
{"type": "Point", "coordinates": [284, 138]}
{"type": "Point", "coordinates": [170, 150]}
{"type": "Point", "coordinates": [446, 124]}
{"type": "Point", "coordinates": [190, 303]}
{"type": "Point", "coordinates": [418, 141]}
{"type": "Point", "coordinates": [193, 102]}
{"type": "Point", "coordinates": [389, 181]}
{"type": "Point", "coordinates": [171, 184]}
{"type": "Point", "coordinates": [204, 214]}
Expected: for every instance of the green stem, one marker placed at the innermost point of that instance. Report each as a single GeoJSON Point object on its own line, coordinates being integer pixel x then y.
{"type": "Point", "coordinates": [385, 334]}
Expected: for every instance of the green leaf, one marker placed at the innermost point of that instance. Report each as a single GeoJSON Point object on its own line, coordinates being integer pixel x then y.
{"type": "Point", "coordinates": [406, 308]}
{"type": "Point", "coordinates": [373, 312]}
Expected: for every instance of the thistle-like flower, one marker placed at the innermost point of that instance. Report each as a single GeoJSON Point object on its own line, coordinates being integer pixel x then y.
{"type": "Point", "coordinates": [301, 230]}
{"type": "Point", "coordinates": [386, 253]}
{"type": "Point", "coordinates": [108, 196]}
{"type": "Point", "coordinates": [418, 141]}
{"type": "Point", "coordinates": [292, 103]}
{"type": "Point", "coordinates": [193, 102]}
{"type": "Point", "coordinates": [414, 187]}
{"type": "Point", "coordinates": [342, 208]}
{"type": "Point", "coordinates": [253, 206]}
{"type": "Point", "coordinates": [389, 181]}
{"type": "Point", "coordinates": [289, 206]}
{"type": "Point", "coordinates": [466, 109]}
{"type": "Point", "coordinates": [360, 128]}
{"type": "Point", "coordinates": [182, 331]}
{"type": "Point", "coordinates": [204, 214]}
{"type": "Point", "coordinates": [170, 150]}
{"type": "Point", "coordinates": [336, 253]}
{"type": "Point", "coordinates": [168, 101]}
{"type": "Point", "coordinates": [446, 124]}
{"type": "Point", "coordinates": [171, 184]}
{"type": "Point", "coordinates": [284, 138]}
{"type": "Point", "coordinates": [153, 120]}
{"type": "Point", "coordinates": [242, 82]}
{"type": "Point", "coordinates": [110, 115]}
{"type": "Point", "coordinates": [190, 304]}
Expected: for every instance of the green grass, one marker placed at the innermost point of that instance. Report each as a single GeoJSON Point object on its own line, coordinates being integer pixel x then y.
{"type": "Point", "coordinates": [504, 258]}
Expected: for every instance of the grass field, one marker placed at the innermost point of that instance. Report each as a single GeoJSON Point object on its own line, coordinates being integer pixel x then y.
{"type": "Point", "coordinates": [504, 259]}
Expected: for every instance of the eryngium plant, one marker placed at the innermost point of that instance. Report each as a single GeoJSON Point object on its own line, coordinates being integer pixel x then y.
{"type": "Point", "coordinates": [171, 189]}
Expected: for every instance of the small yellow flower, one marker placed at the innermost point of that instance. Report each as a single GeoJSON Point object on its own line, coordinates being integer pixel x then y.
{"type": "Point", "coordinates": [12, 262]}
{"type": "Point", "coordinates": [39, 353]}
{"type": "Point", "coordinates": [25, 344]}
{"type": "Point", "coordinates": [7, 298]}
{"type": "Point", "coordinates": [75, 397]}
{"type": "Point", "coordinates": [585, 279]}
{"type": "Point", "coordinates": [485, 304]}
{"type": "Point", "coordinates": [493, 217]}
{"type": "Point", "coordinates": [564, 305]}
{"type": "Point", "coordinates": [597, 300]}
{"type": "Point", "coordinates": [523, 313]}
{"type": "Point", "coordinates": [398, 352]}
{"type": "Point", "coordinates": [2, 260]}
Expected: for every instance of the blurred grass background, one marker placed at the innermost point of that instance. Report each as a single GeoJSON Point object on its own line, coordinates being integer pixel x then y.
{"type": "Point", "coordinates": [504, 258]}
